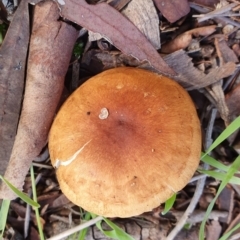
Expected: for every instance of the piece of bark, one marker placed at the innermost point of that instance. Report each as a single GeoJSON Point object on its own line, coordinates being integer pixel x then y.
{"type": "Point", "coordinates": [225, 202]}
{"type": "Point", "coordinates": [173, 10]}
{"type": "Point", "coordinates": [214, 230]}
{"type": "Point", "coordinates": [183, 40]}
{"type": "Point", "coordinates": [13, 55]}
{"type": "Point", "coordinates": [143, 14]}
{"type": "Point", "coordinates": [104, 19]}
{"type": "Point", "coordinates": [50, 50]}
{"type": "Point", "coordinates": [232, 98]}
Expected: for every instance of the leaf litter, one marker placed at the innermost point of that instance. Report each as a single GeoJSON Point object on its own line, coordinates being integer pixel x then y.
{"type": "Point", "coordinates": [203, 58]}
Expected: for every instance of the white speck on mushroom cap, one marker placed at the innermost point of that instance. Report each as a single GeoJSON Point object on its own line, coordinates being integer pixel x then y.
{"type": "Point", "coordinates": [103, 113]}
{"type": "Point", "coordinates": [71, 159]}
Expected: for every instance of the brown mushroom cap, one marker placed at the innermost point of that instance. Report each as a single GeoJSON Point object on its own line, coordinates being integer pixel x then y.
{"type": "Point", "coordinates": [124, 142]}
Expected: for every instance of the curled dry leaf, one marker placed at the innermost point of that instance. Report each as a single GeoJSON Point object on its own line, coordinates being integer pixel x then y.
{"type": "Point", "coordinates": [104, 19]}
{"type": "Point", "coordinates": [173, 10]}
{"type": "Point", "coordinates": [183, 40]}
{"type": "Point", "coordinates": [50, 50]}
{"type": "Point", "coordinates": [12, 64]}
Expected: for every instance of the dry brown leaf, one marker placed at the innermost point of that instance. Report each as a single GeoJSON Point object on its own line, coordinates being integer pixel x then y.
{"type": "Point", "coordinates": [173, 10]}
{"type": "Point", "coordinates": [49, 55]}
{"type": "Point", "coordinates": [183, 40]}
{"type": "Point", "coordinates": [12, 64]}
{"type": "Point", "coordinates": [104, 19]}
{"type": "Point", "coordinates": [231, 99]}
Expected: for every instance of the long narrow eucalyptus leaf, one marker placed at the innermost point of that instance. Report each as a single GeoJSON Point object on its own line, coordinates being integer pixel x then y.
{"type": "Point", "coordinates": [20, 194]}
{"type": "Point", "coordinates": [232, 170]}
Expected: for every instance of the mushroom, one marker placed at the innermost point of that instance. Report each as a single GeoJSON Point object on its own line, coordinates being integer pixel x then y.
{"type": "Point", "coordinates": [124, 142]}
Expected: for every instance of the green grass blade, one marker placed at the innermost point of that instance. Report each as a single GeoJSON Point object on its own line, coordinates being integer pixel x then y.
{"type": "Point", "coordinates": [20, 194]}
{"type": "Point", "coordinates": [83, 233]}
{"type": "Point", "coordinates": [3, 213]}
{"type": "Point", "coordinates": [115, 233]}
{"type": "Point", "coordinates": [232, 170]}
{"type": "Point", "coordinates": [228, 234]}
{"type": "Point", "coordinates": [169, 203]}
{"type": "Point", "coordinates": [225, 134]}
{"type": "Point", "coordinates": [221, 176]}
{"type": "Point", "coordinates": [40, 230]}
{"type": "Point", "coordinates": [214, 163]}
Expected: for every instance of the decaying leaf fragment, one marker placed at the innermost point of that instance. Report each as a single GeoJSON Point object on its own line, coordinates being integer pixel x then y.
{"type": "Point", "coordinates": [173, 10]}
{"type": "Point", "coordinates": [13, 54]}
{"type": "Point", "coordinates": [183, 40]}
{"type": "Point", "coordinates": [50, 50]}
{"type": "Point", "coordinates": [104, 19]}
